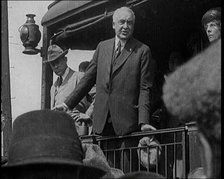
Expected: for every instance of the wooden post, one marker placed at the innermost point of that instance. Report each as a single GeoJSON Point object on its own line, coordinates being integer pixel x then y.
{"type": "Point", "coordinates": [47, 73]}
{"type": "Point", "coordinates": [5, 84]}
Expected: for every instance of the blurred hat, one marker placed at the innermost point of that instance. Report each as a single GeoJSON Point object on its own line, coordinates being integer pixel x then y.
{"type": "Point", "coordinates": [54, 52]}
{"type": "Point", "coordinates": [48, 139]}
{"type": "Point", "coordinates": [149, 157]}
{"type": "Point", "coordinates": [94, 156]}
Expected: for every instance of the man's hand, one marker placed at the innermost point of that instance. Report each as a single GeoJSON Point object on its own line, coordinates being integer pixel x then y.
{"type": "Point", "coordinates": [61, 107]}
{"type": "Point", "coordinates": [82, 117]}
{"type": "Point", "coordinates": [147, 127]}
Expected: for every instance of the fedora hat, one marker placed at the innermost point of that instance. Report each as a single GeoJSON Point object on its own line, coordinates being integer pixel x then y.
{"type": "Point", "coordinates": [54, 52]}
{"type": "Point", "coordinates": [49, 139]}
{"type": "Point", "coordinates": [94, 156]}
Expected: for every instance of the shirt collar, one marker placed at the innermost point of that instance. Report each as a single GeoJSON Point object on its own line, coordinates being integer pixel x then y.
{"type": "Point", "coordinates": [65, 73]}
{"type": "Point", "coordinates": [123, 42]}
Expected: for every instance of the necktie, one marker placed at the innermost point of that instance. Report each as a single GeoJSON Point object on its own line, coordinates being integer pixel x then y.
{"type": "Point", "coordinates": [59, 81]}
{"type": "Point", "coordinates": [118, 50]}
{"type": "Point", "coordinates": [58, 84]}
{"type": "Point", "coordinates": [117, 53]}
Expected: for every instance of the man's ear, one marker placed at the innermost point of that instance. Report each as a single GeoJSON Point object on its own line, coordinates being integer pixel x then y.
{"type": "Point", "coordinates": [206, 154]}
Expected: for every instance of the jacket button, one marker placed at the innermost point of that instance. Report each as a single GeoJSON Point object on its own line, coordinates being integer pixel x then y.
{"type": "Point", "coordinates": [108, 88]}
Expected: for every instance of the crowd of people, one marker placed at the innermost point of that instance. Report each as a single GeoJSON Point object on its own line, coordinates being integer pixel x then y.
{"type": "Point", "coordinates": [111, 95]}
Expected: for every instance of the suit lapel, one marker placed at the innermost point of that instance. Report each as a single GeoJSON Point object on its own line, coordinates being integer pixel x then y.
{"type": "Point", "coordinates": [126, 52]}
{"type": "Point", "coordinates": [109, 55]}
{"type": "Point", "coordinates": [70, 73]}
{"type": "Point", "coordinates": [53, 91]}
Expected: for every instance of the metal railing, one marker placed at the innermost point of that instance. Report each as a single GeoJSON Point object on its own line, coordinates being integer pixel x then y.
{"type": "Point", "coordinates": [170, 158]}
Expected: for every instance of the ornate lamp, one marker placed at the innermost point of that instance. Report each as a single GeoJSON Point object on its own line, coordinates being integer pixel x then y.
{"type": "Point", "coordinates": [30, 35]}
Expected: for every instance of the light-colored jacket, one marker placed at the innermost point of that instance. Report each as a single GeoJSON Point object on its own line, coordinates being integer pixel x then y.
{"type": "Point", "coordinates": [68, 85]}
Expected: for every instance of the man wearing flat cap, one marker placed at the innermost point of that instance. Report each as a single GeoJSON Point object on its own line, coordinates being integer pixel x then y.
{"type": "Point", "coordinates": [67, 80]}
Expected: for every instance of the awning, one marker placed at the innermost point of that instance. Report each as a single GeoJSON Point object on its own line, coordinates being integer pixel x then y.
{"type": "Point", "coordinates": [59, 9]}
{"type": "Point", "coordinates": [162, 24]}
{"type": "Point", "coordinates": [71, 18]}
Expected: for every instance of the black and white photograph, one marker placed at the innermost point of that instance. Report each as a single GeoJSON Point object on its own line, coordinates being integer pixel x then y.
{"type": "Point", "coordinates": [121, 89]}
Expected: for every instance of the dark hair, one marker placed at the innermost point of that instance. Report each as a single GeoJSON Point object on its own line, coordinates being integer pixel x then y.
{"type": "Point", "coordinates": [83, 66]}
{"type": "Point", "coordinates": [210, 15]}
{"type": "Point", "coordinates": [193, 92]}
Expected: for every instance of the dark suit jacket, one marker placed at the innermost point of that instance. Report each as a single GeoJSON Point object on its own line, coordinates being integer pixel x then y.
{"type": "Point", "coordinates": [123, 89]}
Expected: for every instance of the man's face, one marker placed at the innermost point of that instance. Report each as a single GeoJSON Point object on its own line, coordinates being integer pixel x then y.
{"type": "Point", "coordinates": [213, 30]}
{"type": "Point", "coordinates": [59, 66]}
{"type": "Point", "coordinates": [124, 25]}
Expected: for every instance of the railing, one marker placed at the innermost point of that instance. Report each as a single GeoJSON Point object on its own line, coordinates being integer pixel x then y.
{"type": "Point", "coordinates": [173, 157]}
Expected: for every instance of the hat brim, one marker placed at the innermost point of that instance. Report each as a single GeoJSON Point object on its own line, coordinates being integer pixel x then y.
{"type": "Point", "coordinates": [57, 57]}
{"type": "Point", "coordinates": [90, 172]}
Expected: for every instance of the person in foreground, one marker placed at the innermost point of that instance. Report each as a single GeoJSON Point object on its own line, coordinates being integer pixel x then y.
{"type": "Point", "coordinates": [123, 70]}
{"type": "Point", "coordinates": [193, 92]}
{"type": "Point", "coordinates": [45, 144]}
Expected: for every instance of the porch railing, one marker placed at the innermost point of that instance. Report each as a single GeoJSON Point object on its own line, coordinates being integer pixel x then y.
{"type": "Point", "coordinates": [176, 156]}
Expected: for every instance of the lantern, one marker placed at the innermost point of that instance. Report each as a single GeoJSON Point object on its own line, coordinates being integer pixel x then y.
{"type": "Point", "coordinates": [30, 35]}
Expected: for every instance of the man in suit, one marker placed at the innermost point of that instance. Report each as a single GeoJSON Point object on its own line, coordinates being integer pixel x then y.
{"type": "Point", "coordinates": [67, 80]}
{"type": "Point", "coordinates": [123, 70]}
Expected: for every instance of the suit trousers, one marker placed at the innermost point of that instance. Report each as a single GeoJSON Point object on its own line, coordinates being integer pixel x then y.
{"type": "Point", "coordinates": [118, 155]}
